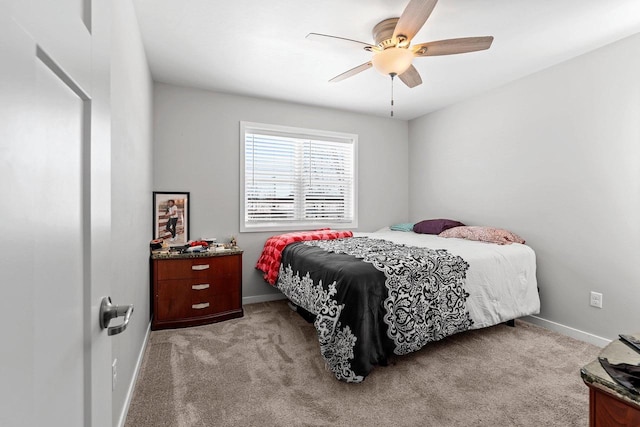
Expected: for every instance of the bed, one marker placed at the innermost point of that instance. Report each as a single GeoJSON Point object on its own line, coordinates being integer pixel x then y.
{"type": "Point", "coordinates": [374, 295]}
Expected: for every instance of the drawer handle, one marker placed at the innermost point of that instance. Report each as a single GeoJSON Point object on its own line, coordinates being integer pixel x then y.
{"type": "Point", "coordinates": [200, 287]}
{"type": "Point", "coordinates": [200, 306]}
{"type": "Point", "coordinates": [200, 267]}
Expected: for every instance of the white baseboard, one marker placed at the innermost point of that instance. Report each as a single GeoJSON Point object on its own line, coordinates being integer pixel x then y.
{"type": "Point", "coordinates": [262, 298]}
{"type": "Point", "coordinates": [568, 331]}
{"type": "Point", "coordinates": [134, 378]}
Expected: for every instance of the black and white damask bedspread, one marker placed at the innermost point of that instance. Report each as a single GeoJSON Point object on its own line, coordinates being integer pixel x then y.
{"type": "Point", "coordinates": [373, 298]}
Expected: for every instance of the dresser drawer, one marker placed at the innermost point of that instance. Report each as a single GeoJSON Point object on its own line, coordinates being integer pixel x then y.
{"type": "Point", "coordinates": [220, 303]}
{"type": "Point", "coordinates": [195, 287]}
{"type": "Point", "coordinates": [195, 268]}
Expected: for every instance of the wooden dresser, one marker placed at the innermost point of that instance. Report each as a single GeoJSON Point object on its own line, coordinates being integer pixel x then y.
{"type": "Point", "coordinates": [195, 289]}
{"type": "Point", "coordinates": [610, 404]}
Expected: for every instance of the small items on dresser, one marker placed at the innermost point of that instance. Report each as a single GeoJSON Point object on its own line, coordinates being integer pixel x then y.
{"type": "Point", "coordinates": [155, 244]}
{"type": "Point", "coordinates": [613, 385]}
{"type": "Point", "coordinates": [160, 247]}
{"type": "Point", "coordinates": [625, 374]}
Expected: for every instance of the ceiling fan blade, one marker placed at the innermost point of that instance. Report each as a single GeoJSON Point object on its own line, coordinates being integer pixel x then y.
{"type": "Point", "coordinates": [352, 72]}
{"type": "Point", "coordinates": [452, 46]}
{"type": "Point", "coordinates": [413, 18]}
{"type": "Point", "coordinates": [411, 77]}
{"type": "Point", "coordinates": [340, 40]}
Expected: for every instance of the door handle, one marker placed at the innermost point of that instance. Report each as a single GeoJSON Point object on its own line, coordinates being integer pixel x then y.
{"type": "Point", "coordinates": [109, 311]}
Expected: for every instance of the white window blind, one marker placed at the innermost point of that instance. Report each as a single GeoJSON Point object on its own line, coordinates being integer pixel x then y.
{"type": "Point", "coordinates": [296, 178]}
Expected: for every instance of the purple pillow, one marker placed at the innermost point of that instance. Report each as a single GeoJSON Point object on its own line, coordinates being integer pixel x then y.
{"type": "Point", "coordinates": [435, 226]}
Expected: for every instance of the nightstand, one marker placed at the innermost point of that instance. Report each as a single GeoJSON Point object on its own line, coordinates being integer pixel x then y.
{"type": "Point", "coordinates": [196, 289]}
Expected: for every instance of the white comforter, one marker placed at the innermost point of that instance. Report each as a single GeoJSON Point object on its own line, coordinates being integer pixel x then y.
{"type": "Point", "coordinates": [501, 279]}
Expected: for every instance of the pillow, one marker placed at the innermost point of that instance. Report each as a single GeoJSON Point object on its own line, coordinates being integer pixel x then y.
{"type": "Point", "coordinates": [483, 234]}
{"type": "Point", "coordinates": [435, 226]}
{"type": "Point", "coordinates": [402, 227]}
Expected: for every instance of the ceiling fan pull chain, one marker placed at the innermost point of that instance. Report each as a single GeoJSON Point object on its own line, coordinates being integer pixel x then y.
{"type": "Point", "coordinates": [392, 76]}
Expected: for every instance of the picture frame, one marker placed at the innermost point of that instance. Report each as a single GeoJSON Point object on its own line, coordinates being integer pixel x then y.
{"type": "Point", "coordinates": [171, 217]}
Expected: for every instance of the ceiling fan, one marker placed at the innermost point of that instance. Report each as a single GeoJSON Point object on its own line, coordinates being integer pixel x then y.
{"type": "Point", "coordinates": [392, 52]}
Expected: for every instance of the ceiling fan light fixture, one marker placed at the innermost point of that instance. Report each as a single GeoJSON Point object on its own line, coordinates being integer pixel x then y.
{"type": "Point", "coordinates": [393, 60]}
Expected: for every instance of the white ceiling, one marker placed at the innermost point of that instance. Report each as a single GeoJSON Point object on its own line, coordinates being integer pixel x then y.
{"type": "Point", "coordinates": [258, 48]}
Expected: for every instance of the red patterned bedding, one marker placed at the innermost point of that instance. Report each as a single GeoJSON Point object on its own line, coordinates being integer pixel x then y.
{"type": "Point", "coordinates": [269, 261]}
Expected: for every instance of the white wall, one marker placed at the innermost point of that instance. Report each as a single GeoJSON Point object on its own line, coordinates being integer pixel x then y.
{"type": "Point", "coordinates": [197, 149]}
{"type": "Point", "coordinates": [131, 193]}
{"type": "Point", "coordinates": [555, 157]}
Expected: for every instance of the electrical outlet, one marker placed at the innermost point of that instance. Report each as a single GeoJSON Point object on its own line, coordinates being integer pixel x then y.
{"type": "Point", "coordinates": [114, 374]}
{"type": "Point", "coordinates": [596, 299]}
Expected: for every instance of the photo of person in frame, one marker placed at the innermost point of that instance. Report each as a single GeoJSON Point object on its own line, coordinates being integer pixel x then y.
{"type": "Point", "coordinates": [171, 217]}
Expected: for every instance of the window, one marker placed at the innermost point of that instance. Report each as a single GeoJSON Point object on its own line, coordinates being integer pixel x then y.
{"type": "Point", "coordinates": [293, 178]}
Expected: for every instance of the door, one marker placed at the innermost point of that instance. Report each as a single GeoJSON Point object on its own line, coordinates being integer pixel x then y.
{"type": "Point", "coordinates": [54, 133]}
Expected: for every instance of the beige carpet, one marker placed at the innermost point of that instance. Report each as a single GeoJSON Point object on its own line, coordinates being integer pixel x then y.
{"type": "Point", "coordinates": [265, 369]}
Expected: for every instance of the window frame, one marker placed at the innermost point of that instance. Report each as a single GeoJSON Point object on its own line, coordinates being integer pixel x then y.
{"type": "Point", "coordinates": [304, 133]}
